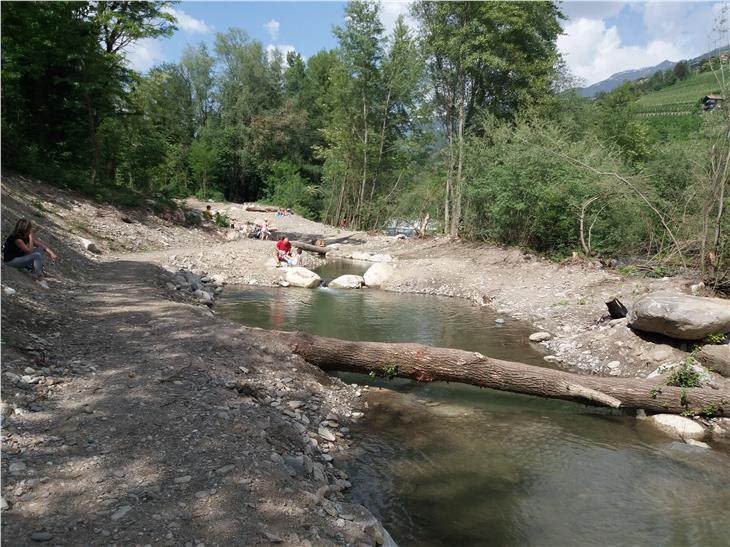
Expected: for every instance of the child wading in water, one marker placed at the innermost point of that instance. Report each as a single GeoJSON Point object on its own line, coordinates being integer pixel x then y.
{"type": "Point", "coordinates": [23, 250]}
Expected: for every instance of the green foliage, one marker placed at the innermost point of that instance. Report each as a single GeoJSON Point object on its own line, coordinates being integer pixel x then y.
{"type": "Point", "coordinates": [221, 220]}
{"type": "Point", "coordinates": [391, 370]}
{"type": "Point", "coordinates": [715, 338]}
{"type": "Point", "coordinates": [653, 392]}
{"type": "Point", "coordinates": [285, 187]}
{"type": "Point", "coordinates": [684, 375]}
{"type": "Point", "coordinates": [711, 410]}
{"type": "Point", "coordinates": [683, 400]}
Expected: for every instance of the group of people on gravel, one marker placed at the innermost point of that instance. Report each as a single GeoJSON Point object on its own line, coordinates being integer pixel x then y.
{"type": "Point", "coordinates": [285, 255]}
{"type": "Point", "coordinates": [23, 250]}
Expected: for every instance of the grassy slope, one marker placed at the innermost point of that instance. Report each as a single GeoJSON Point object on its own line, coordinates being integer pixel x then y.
{"type": "Point", "coordinates": [681, 96]}
{"type": "Point", "coordinates": [674, 113]}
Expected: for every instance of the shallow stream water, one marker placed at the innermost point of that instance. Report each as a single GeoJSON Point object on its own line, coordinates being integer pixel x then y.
{"type": "Point", "coordinates": [452, 465]}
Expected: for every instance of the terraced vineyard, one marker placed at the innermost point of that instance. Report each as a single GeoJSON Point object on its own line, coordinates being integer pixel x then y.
{"type": "Point", "coordinates": [682, 98]}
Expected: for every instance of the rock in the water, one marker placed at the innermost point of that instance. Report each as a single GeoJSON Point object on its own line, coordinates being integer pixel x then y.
{"type": "Point", "coordinates": [89, 245]}
{"type": "Point", "coordinates": [680, 316]}
{"type": "Point", "coordinates": [347, 282]}
{"type": "Point", "coordinates": [378, 274]}
{"type": "Point", "coordinates": [678, 427]}
{"type": "Point", "coordinates": [716, 359]}
{"type": "Point", "coordinates": [540, 336]}
{"type": "Point", "coordinates": [302, 277]}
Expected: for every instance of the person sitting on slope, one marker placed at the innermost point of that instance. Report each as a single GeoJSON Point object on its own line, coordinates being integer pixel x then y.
{"type": "Point", "coordinates": [23, 250]}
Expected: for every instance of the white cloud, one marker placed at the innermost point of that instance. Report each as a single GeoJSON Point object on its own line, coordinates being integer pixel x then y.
{"type": "Point", "coordinates": [281, 48]}
{"type": "Point", "coordinates": [687, 24]}
{"type": "Point", "coordinates": [272, 27]}
{"type": "Point", "coordinates": [594, 52]}
{"type": "Point", "coordinates": [187, 23]}
{"type": "Point", "coordinates": [144, 54]}
{"type": "Point", "coordinates": [391, 10]}
{"type": "Point", "coordinates": [590, 10]}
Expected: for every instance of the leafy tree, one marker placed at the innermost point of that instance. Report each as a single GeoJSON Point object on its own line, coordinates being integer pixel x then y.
{"type": "Point", "coordinates": [285, 187]}
{"type": "Point", "coordinates": [497, 56]}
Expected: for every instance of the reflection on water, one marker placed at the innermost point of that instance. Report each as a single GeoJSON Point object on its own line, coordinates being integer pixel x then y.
{"type": "Point", "coordinates": [489, 468]}
{"type": "Point", "coordinates": [453, 465]}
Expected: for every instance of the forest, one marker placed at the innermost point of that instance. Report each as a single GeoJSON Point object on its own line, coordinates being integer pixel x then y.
{"type": "Point", "coordinates": [467, 118]}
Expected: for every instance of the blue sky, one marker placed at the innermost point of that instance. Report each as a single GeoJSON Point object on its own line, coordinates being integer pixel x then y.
{"type": "Point", "coordinates": [600, 38]}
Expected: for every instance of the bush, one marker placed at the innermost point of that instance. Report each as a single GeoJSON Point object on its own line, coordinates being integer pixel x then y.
{"type": "Point", "coordinates": [285, 187]}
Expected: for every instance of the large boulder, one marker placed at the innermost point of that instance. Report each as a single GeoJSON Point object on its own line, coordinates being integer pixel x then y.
{"type": "Point", "coordinates": [377, 274]}
{"type": "Point", "coordinates": [347, 282]}
{"type": "Point", "coordinates": [716, 359]}
{"type": "Point", "coordinates": [678, 427]}
{"type": "Point", "coordinates": [302, 277]}
{"type": "Point", "coordinates": [680, 315]}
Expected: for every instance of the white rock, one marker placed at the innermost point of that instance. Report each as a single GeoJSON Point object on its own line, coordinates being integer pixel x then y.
{"type": "Point", "coordinates": [358, 255]}
{"type": "Point", "coordinates": [540, 336]}
{"type": "Point", "coordinates": [678, 427]}
{"type": "Point", "coordinates": [218, 279]}
{"type": "Point", "coordinates": [381, 258]}
{"type": "Point", "coordinates": [377, 275]}
{"type": "Point", "coordinates": [302, 277]}
{"type": "Point", "coordinates": [89, 245]}
{"type": "Point", "coordinates": [326, 434]}
{"type": "Point", "coordinates": [9, 291]}
{"type": "Point", "coordinates": [347, 282]}
{"type": "Point", "coordinates": [614, 364]}
{"type": "Point", "coordinates": [698, 444]}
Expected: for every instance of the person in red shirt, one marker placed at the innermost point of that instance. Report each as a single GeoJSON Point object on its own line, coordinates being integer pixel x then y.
{"type": "Point", "coordinates": [283, 250]}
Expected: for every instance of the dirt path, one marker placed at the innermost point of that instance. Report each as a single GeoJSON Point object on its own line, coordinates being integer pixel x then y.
{"type": "Point", "coordinates": [145, 421]}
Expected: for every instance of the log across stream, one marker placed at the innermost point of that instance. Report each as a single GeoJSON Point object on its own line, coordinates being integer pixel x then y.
{"type": "Point", "coordinates": [427, 364]}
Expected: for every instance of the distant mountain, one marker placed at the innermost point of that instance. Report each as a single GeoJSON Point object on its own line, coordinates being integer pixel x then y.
{"type": "Point", "coordinates": [612, 82]}
{"type": "Point", "coordinates": [620, 77]}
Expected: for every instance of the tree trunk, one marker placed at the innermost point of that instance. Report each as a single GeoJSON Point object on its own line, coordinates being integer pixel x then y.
{"type": "Point", "coordinates": [94, 140]}
{"type": "Point", "coordinates": [311, 248]}
{"type": "Point", "coordinates": [427, 364]}
{"type": "Point", "coordinates": [458, 183]}
{"type": "Point", "coordinates": [364, 159]}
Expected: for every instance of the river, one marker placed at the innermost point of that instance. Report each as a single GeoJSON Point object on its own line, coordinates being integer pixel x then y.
{"type": "Point", "coordinates": [452, 465]}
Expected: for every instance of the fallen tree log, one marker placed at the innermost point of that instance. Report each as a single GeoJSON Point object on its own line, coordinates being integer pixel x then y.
{"type": "Point", "coordinates": [261, 209]}
{"type": "Point", "coordinates": [427, 364]}
{"type": "Point", "coordinates": [311, 248]}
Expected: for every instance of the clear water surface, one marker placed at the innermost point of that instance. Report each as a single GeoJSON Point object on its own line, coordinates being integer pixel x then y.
{"type": "Point", "coordinates": [453, 465]}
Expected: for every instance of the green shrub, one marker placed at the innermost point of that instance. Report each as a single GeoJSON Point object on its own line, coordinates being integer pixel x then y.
{"type": "Point", "coordinates": [684, 375]}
